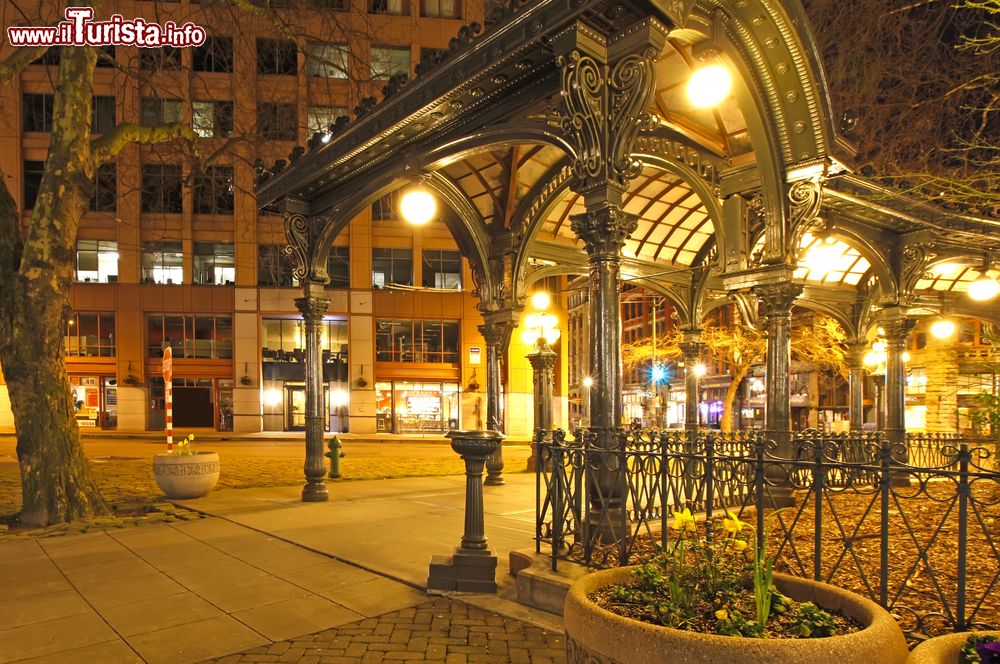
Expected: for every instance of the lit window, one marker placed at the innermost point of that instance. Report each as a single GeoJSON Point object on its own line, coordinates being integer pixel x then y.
{"type": "Point", "coordinates": [90, 335]}
{"type": "Point", "coordinates": [442, 269]}
{"type": "Point", "coordinates": [162, 263]}
{"type": "Point", "coordinates": [214, 263]}
{"type": "Point", "coordinates": [212, 119]}
{"type": "Point", "coordinates": [442, 8]}
{"type": "Point", "coordinates": [392, 266]}
{"type": "Point", "coordinates": [97, 261]}
{"type": "Point", "coordinates": [387, 62]}
{"type": "Point", "coordinates": [319, 118]}
{"type": "Point", "coordinates": [327, 60]}
{"type": "Point", "coordinates": [156, 111]}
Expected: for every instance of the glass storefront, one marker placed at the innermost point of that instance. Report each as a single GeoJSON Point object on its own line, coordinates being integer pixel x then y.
{"type": "Point", "coordinates": [198, 403]}
{"type": "Point", "coordinates": [408, 407]}
{"type": "Point", "coordinates": [95, 401]}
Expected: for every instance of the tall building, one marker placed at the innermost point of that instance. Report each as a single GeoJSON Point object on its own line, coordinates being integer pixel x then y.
{"type": "Point", "coordinates": [174, 252]}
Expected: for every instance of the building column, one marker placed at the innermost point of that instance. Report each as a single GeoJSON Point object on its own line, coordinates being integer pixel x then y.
{"type": "Point", "coordinates": [777, 300]}
{"type": "Point", "coordinates": [856, 383]}
{"type": "Point", "coordinates": [897, 332]}
{"type": "Point", "coordinates": [691, 345]}
{"type": "Point", "coordinates": [496, 334]}
{"type": "Point", "coordinates": [312, 308]}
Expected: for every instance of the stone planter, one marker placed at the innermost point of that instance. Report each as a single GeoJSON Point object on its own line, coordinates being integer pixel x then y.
{"type": "Point", "coordinates": [188, 476]}
{"type": "Point", "coordinates": [597, 636]}
{"type": "Point", "coordinates": [943, 649]}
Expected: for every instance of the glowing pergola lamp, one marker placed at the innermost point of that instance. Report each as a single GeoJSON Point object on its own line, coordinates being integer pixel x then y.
{"type": "Point", "coordinates": [417, 206]}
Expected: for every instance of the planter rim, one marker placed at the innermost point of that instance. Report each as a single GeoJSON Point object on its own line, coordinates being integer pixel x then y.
{"type": "Point", "coordinates": [200, 453]}
{"type": "Point", "coordinates": [590, 626]}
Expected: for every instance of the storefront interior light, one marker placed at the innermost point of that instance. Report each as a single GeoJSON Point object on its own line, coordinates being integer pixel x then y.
{"type": "Point", "coordinates": [418, 206]}
{"type": "Point", "coordinates": [272, 397]}
{"type": "Point", "coordinates": [906, 356]}
{"type": "Point", "coordinates": [943, 328]}
{"type": "Point", "coordinates": [700, 370]}
{"type": "Point", "coordinates": [338, 398]}
{"type": "Point", "coordinates": [984, 288]}
{"type": "Point", "coordinates": [709, 85]}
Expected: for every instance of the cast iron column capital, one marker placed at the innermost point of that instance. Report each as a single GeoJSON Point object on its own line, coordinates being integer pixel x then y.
{"type": "Point", "coordinates": [777, 298]}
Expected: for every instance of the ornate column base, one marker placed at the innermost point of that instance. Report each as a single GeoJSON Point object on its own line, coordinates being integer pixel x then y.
{"type": "Point", "coordinates": [315, 492]}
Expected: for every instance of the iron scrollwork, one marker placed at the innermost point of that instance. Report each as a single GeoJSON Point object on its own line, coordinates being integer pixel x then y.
{"type": "Point", "coordinates": [301, 246]}
{"type": "Point", "coordinates": [604, 108]}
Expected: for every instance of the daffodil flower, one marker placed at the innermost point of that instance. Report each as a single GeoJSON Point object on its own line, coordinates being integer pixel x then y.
{"type": "Point", "coordinates": [732, 523]}
{"type": "Point", "coordinates": [722, 614]}
{"type": "Point", "coordinates": [683, 521]}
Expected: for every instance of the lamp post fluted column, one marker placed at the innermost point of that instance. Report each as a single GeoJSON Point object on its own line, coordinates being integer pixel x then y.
{"type": "Point", "coordinates": [856, 383]}
{"type": "Point", "coordinates": [542, 361]}
{"type": "Point", "coordinates": [496, 334]}
{"type": "Point", "coordinates": [897, 331]}
{"type": "Point", "coordinates": [691, 345]}
{"type": "Point", "coordinates": [312, 308]}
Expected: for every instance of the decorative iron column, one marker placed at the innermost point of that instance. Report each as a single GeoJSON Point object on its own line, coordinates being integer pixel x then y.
{"type": "Point", "coordinates": [312, 308]}
{"type": "Point", "coordinates": [777, 300]}
{"type": "Point", "coordinates": [856, 383]}
{"type": "Point", "coordinates": [496, 334]}
{"type": "Point", "coordinates": [897, 331]}
{"type": "Point", "coordinates": [542, 360]}
{"type": "Point", "coordinates": [691, 345]}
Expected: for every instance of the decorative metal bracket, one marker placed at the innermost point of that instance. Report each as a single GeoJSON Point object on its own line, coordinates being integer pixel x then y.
{"type": "Point", "coordinates": [302, 234]}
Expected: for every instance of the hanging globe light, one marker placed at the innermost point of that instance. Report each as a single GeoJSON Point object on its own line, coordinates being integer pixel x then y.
{"type": "Point", "coordinates": [983, 288]}
{"type": "Point", "coordinates": [418, 206]}
{"type": "Point", "coordinates": [943, 328]}
{"type": "Point", "coordinates": [709, 85]}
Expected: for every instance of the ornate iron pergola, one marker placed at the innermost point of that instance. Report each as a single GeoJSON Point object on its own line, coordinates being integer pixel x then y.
{"type": "Point", "coordinates": [560, 142]}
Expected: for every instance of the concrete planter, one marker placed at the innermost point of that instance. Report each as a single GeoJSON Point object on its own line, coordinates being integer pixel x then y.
{"type": "Point", "coordinates": [597, 636]}
{"type": "Point", "coordinates": [189, 476]}
{"type": "Point", "coordinates": [943, 649]}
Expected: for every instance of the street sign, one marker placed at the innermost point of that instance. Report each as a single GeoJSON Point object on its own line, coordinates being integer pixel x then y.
{"type": "Point", "coordinates": [168, 364]}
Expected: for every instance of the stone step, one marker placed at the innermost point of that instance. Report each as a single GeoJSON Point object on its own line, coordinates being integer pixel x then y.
{"type": "Point", "coordinates": [537, 585]}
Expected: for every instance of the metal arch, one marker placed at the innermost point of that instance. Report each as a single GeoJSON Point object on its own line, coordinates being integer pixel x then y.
{"type": "Point", "coordinates": [833, 312]}
{"type": "Point", "coordinates": [864, 245]}
{"type": "Point", "coordinates": [504, 135]}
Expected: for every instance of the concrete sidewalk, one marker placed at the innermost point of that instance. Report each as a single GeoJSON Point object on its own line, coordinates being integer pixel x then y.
{"type": "Point", "coordinates": [263, 571]}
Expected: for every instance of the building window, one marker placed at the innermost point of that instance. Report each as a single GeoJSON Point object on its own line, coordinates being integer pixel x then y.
{"type": "Point", "coordinates": [442, 8]}
{"type": "Point", "coordinates": [102, 115]}
{"type": "Point", "coordinates": [212, 119]}
{"type": "Point", "coordinates": [402, 340]}
{"type": "Point", "coordinates": [214, 263]}
{"type": "Point", "coordinates": [90, 335]}
{"type": "Point", "coordinates": [105, 198]}
{"type": "Point", "coordinates": [33, 171]}
{"type": "Point", "coordinates": [161, 188]}
{"type": "Point", "coordinates": [277, 122]}
{"type": "Point", "coordinates": [207, 337]}
{"type": "Point", "coordinates": [215, 55]}
{"type": "Point", "coordinates": [327, 60]}
{"type": "Point", "coordinates": [105, 56]}
{"type": "Point", "coordinates": [387, 62]}
{"type": "Point", "coordinates": [284, 340]}
{"type": "Point", "coordinates": [156, 111]}
{"type": "Point", "coordinates": [392, 266]}
{"type": "Point", "coordinates": [97, 261]}
{"type": "Point", "coordinates": [165, 57]}
{"type": "Point", "coordinates": [384, 208]}
{"type": "Point", "coordinates": [338, 266]}
{"type": "Point", "coordinates": [274, 266]}
{"type": "Point", "coordinates": [277, 56]}
{"type": "Point", "coordinates": [394, 7]}
{"type": "Point", "coordinates": [320, 118]}
{"type": "Point", "coordinates": [37, 112]}
{"type": "Point", "coordinates": [162, 263]}
{"type": "Point", "coordinates": [442, 269]}
{"type": "Point", "coordinates": [48, 58]}
{"type": "Point", "coordinates": [213, 191]}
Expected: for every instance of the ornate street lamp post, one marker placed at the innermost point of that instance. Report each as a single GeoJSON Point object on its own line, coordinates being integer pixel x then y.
{"type": "Point", "coordinates": [542, 331]}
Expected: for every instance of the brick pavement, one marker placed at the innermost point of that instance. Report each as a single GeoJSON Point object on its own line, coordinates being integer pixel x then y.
{"type": "Point", "coordinates": [441, 630]}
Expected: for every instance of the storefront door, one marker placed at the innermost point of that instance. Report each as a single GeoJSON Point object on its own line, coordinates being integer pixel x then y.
{"type": "Point", "coordinates": [295, 407]}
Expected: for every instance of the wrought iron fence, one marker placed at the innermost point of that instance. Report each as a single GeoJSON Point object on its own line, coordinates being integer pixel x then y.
{"type": "Point", "coordinates": [915, 526]}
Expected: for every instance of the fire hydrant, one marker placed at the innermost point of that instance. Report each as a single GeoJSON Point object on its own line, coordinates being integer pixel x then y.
{"type": "Point", "coordinates": [334, 455]}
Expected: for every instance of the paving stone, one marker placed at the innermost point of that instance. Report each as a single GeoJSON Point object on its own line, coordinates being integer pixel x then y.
{"type": "Point", "coordinates": [439, 630]}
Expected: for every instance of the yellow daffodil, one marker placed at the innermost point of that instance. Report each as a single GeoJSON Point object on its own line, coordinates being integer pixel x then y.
{"type": "Point", "coordinates": [732, 523]}
{"type": "Point", "coordinates": [683, 521]}
{"type": "Point", "coordinates": [722, 614]}
{"type": "Point", "coordinates": [739, 545]}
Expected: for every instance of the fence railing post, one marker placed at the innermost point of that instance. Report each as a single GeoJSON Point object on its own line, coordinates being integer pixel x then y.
{"type": "Point", "coordinates": [760, 452]}
{"type": "Point", "coordinates": [539, 517]}
{"type": "Point", "coordinates": [819, 481]}
{"type": "Point", "coordinates": [964, 456]}
{"type": "Point", "coordinates": [558, 472]}
{"type": "Point", "coordinates": [885, 482]}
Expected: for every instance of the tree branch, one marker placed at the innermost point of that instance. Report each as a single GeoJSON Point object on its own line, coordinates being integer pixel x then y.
{"type": "Point", "coordinates": [108, 146]}
{"type": "Point", "coordinates": [18, 60]}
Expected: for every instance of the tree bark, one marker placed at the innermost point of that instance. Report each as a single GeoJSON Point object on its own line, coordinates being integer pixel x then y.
{"type": "Point", "coordinates": [726, 422]}
{"type": "Point", "coordinates": [56, 481]}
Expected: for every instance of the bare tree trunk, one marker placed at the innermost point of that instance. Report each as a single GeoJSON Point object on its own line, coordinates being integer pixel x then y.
{"type": "Point", "coordinates": [36, 274]}
{"type": "Point", "coordinates": [726, 422]}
